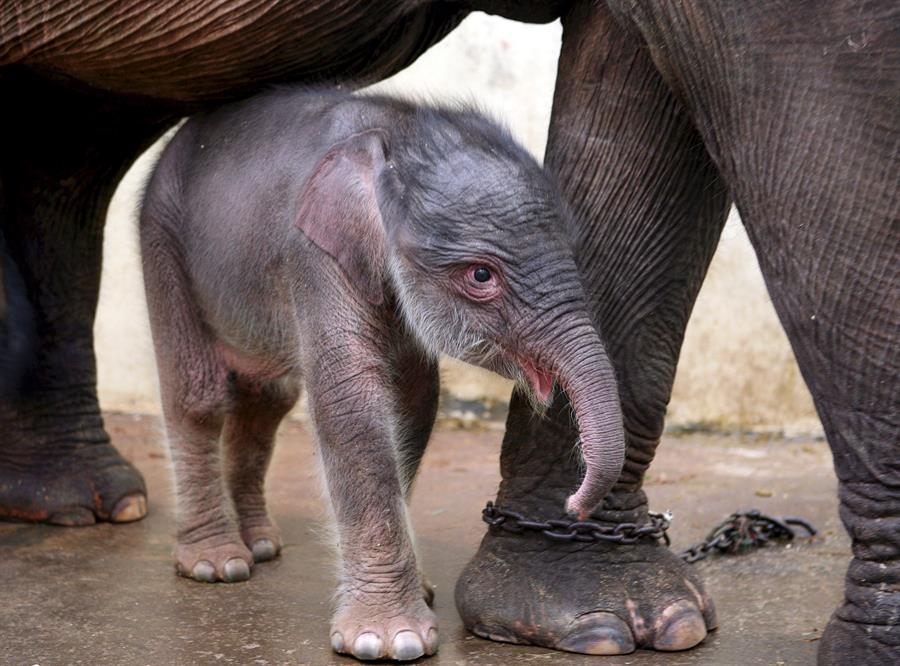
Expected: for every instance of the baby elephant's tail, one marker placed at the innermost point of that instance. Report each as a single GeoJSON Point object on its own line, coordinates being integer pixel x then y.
{"type": "Point", "coordinates": [17, 325]}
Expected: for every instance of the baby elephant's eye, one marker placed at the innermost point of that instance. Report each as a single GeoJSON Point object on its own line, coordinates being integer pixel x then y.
{"type": "Point", "coordinates": [482, 274]}
{"type": "Point", "coordinates": [479, 282]}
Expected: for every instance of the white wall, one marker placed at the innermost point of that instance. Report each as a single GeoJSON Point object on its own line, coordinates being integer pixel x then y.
{"type": "Point", "coordinates": [736, 371]}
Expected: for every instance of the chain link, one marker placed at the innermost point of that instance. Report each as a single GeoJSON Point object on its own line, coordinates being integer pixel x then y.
{"type": "Point", "coordinates": [580, 530]}
{"type": "Point", "coordinates": [740, 531]}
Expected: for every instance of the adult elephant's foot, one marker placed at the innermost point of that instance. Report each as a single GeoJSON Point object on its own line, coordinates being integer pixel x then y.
{"type": "Point", "coordinates": [64, 471]}
{"type": "Point", "coordinates": [865, 628]}
{"type": "Point", "coordinates": [845, 642]}
{"type": "Point", "coordinates": [592, 598]}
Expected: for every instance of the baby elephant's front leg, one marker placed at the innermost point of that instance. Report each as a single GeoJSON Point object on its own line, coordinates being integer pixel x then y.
{"type": "Point", "coordinates": [381, 612]}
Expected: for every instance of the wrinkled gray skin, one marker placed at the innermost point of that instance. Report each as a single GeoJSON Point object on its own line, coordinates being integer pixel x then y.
{"type": "Point", "coordinates": [665, 111]}
{"type": "Point", "coordinates": [348, 242]}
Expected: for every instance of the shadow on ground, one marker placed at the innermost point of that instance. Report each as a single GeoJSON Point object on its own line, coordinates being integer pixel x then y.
{"type": "Point", "coordinates": [108, 595]}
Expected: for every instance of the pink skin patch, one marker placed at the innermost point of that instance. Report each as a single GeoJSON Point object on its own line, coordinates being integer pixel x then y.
{"type": "Point", "coordinates": [541, 382]}
{"type": "Point", "coordinates": [251, 369]}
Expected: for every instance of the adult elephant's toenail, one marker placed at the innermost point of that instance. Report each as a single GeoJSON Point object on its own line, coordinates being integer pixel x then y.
{"type": "Point", "coordinates": [427, 591]}
{"type": "Point", "coordinates": [337, 642]}
{"type": "Point", "coordinates": [681, 626]}
{"type": "Point", "coordinates": [367, 646]}
{"type": "Point", "coordinates": [236, 570]}
{"type": "Point", "coordinates": [599, 633]}
{"type": "Point", "coordinates": [264, 550]}
{"type": "Point", "coordinates": [495, 633]}
{"type": "Point", "coordinates": [406, 646]}
{"type": "Point", "coordinates": [431, 641]}
{"type": "Point", "coordinates": [204, 571]}
{"type": "Point", "coordinates": [705, 604]}
{"type": "Point", "coordinates": [76, 516]}
{"type": "Point", "coordinates": [129, 508]}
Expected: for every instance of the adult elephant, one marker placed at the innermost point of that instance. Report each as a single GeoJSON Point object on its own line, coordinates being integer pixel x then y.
{"type": "Point", "coordinates": [664, 112]}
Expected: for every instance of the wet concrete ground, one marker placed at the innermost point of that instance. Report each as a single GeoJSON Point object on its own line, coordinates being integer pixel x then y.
{"type": "Point", "coordinates": [108, 595]}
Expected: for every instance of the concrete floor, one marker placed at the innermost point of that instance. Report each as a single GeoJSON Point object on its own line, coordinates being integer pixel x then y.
{"type": "Point", "coordinates": [107, 594]}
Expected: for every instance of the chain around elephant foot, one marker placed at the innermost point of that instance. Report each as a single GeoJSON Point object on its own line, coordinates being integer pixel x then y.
{"type": "Point", "coordinates": [592, 598]}
{"type": "Point", "coordinates": [61, 469]}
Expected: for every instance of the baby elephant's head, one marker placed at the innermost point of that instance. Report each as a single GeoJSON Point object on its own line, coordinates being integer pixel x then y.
{"type": "Point", "coordinates": [449, 216]}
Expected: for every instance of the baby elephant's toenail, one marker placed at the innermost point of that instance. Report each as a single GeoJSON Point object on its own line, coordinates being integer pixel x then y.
{"type": "Point", "coordinates": [204, 571]}
{"type": "Point", "coordinates": [264, 550]}
{"type": "Point", "coordinates": [367, 646]}
{"type": "Point", "coordinates": [236, 570]}
{"type": "Point", "coordinates": [337, 642]}
{"type": "Point", "coordinates": [407, 645]}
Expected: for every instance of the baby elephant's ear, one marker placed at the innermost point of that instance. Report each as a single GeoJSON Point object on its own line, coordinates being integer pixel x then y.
{"type": "Point", "coordinates": [339, 211]}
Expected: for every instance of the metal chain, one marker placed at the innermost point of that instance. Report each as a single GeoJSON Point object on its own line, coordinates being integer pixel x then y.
{"type": "Point", "coordinates": [580, 530]}
{"type": "Point", "coordinates": [744, 530]}
{"type": "Point", "coordinates": [740, 531]}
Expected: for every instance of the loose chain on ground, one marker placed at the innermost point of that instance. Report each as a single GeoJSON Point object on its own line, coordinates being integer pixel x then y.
{"type": "Point", "coordinates": [742, 530]}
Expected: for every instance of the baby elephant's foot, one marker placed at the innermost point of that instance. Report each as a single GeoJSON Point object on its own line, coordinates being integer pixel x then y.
{"type": "Point", "coordinates": [369, 630]}
{"type": "Point", "coordinates": [224, 559]}
{"type": "Point", "coordinates": [264, 541]}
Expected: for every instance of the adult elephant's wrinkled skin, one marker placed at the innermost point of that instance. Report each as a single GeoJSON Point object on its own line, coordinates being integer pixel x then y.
{"type": "Point", "coordinates": [664, 111]}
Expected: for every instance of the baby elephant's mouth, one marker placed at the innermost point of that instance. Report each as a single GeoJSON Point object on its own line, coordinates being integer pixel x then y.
{"type": "Point", "coordinates": [541, 382]}
{"type": "Point", "coordinates": [522, 370]}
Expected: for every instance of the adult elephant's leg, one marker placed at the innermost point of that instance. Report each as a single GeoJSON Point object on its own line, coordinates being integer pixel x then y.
{"type": "Point", "coordinates": [649, 208]}
{"type": "Point", "coordinates": [62, 157]}
{"type": "Point", "coordinates": [828, 241]}
{"type": "Point", "coordinates": [16, 318]}
{"type": "Point", "coordinates": [806, 131]}
{"type": "Point", "coordinates": [831, 259]}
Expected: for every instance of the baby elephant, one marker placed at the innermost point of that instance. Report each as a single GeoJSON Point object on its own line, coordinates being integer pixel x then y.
{"type": "Point", "coordinates": [349, 241]}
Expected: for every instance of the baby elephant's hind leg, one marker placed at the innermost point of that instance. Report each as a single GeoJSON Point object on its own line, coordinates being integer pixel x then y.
{"type": "Point", "coordinates": [249, 439]}
{"type": "Point", "coordinates": [209, 548]}
{"type": "Point", "coordinates": [194, 391]}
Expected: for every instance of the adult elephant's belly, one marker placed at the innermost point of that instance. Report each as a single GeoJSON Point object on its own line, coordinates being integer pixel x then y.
{"type": "Point", "coordinates": [203, 50]}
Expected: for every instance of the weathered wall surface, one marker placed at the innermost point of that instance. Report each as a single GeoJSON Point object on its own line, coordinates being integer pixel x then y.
{"type": "Point", "coordinates": [736, 372]}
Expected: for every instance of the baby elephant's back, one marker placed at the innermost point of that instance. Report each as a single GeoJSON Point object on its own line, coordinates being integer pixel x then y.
{"type": "Point", "coordinates": [242, 168]}
{"type": "Point", "coordinates": [226, 190]}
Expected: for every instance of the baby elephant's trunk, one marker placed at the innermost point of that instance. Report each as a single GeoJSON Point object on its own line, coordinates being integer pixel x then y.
{"type": "Point", "coordinates": [586, 374]}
